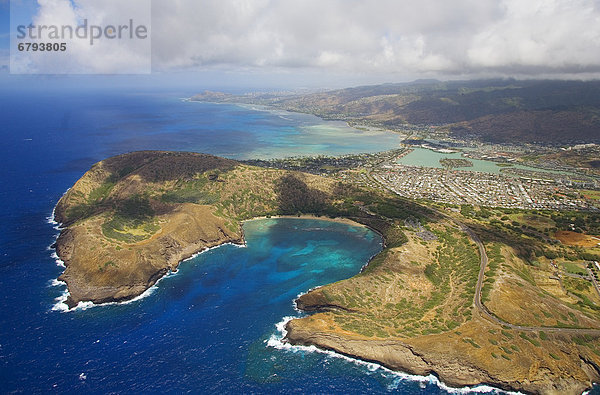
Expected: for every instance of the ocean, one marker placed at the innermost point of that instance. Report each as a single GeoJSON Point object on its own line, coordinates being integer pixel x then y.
{"type": "Point", "coordinates": [212, 327]}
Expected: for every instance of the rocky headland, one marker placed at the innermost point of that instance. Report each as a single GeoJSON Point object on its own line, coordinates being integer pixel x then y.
{"type": "Point", "coordinates": [131, 219]}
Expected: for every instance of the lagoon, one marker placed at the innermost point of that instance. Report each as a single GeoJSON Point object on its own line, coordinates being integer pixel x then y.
{"type": "Point", "coordinates": [428, 158]}
{"type": "Point", "coordinates": [204, 329]}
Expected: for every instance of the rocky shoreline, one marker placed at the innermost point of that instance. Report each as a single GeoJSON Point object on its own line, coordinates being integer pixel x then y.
{"type": "Point", "coordinates": [80, 291]}
{"type": "Point", "coordinates": [140, 267]}
{"type": "Point", "coordinates": [394, 355]}
{"type": "Point", "coordinates": [424, 357]}
{"type": "Point", "coordinates": [173, 252]}
{"type": "Point", "coordinates": [134, 218]}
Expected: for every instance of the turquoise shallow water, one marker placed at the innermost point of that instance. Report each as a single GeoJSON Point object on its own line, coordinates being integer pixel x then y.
{"type": "Point", "coordinates": [238, 132]}
{"type": "Point", "coordinates": [202, 330]}
{"type": "Point", "coordinates": [427, 158]}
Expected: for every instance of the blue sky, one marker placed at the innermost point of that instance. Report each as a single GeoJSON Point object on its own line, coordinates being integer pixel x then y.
{"type": "Point", "coordinates": [4, 25]}
{"type": "Point", "coordinates": [335, 43]}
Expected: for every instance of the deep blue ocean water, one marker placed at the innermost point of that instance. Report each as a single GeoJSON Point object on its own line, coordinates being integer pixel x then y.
{"type": "Point", "coordinates": [204, 329]}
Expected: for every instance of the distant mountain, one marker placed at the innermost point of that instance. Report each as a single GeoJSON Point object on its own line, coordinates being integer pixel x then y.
{"type": "Point", "coordinates": [500, 111]}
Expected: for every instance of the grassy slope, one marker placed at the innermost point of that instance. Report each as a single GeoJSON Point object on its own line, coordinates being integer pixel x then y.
{"type": "Point", "coordinates": [132, 218]}
{"type": "Point", "coordinates": [402, 301]}
{"type": "Point", "coordinates": [416, 292]}
{"type": "Point", "coordinates": [493, 110]}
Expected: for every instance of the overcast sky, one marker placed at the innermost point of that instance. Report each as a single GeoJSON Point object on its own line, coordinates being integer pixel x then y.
{"type": "Point", "coordinates": [438, 37]}
{"type": "Point", "coordinates": [370, 40]}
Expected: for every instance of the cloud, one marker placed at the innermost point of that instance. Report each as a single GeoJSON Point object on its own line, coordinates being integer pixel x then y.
{"type": "Point", "coordinates": [383, 36]}
{"type": "Point", "coordinates": [363, 37]}
{"type": "Point", "coordinates": [83, 54]}
{"type": "Point", "coordinates": [552, 34]}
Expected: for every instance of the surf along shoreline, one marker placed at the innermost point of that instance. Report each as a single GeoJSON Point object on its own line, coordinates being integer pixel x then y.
{"type": "Point", "coordinates": [63, 304]}
{"type": "Point", "coordinates": [282, 342]}
{"type": "Point", "coordinates": [189, 228]}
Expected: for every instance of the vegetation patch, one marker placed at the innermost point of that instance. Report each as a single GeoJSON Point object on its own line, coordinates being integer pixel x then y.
{"type": "Point", "coordinates": [529, 339]}
{"type": "Point", "coordinates": [574, 268]}
{"type": "Point", "coordinates": [132, 221]}
{"type": "Point", "coordinates": [471, 342]}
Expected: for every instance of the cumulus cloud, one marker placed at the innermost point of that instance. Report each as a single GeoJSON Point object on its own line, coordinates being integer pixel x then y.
{"type": "Point", "coordinates": [83, 54]}
{"type": "Point", "coordinates": [387, 37]}
{"type": "Point", "coordinates": [548, 34]}
{"type": "Point", "coordinates": [383, 36]}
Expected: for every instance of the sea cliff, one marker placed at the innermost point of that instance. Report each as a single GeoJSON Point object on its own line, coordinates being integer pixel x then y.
{"type": "Point", "coordinates": [131, 219]}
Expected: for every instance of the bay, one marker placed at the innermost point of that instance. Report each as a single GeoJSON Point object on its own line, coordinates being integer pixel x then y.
{"type": "Point", "coordinates": [206, 328]}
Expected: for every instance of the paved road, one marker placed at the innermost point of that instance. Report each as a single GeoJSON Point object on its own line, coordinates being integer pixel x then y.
{"type": "Point", "coordinates": [579, 276]}
{"type": "Point", "coordinates": [481, 308]}
{"type": "Point", "coordinates": [596, 285]}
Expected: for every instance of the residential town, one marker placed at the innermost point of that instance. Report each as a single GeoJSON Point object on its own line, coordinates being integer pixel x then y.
{"type": "Point", "coordinates": [485, 189]}
{"type": "Point", "coordinates": [513, 187]}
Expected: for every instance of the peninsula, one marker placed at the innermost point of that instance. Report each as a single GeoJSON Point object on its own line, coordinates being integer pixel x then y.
{"type": "Point", "coordinates": [452, 293]}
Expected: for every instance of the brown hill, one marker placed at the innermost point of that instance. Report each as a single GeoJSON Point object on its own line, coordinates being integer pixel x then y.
{"type": "Point", "coordinates": [499, 111]}
{"type": "Point", "coordinates": [132, 218]}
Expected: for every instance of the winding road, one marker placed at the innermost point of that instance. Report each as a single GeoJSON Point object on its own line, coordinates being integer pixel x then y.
{"type": "Point", "coordinates": [480, 307]}
{"type": "Point", "coordinates": [483, 310]}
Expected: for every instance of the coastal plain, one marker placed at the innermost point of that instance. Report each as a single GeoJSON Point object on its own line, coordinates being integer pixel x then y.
{"type": "Point", "coordinates": [452, 293]}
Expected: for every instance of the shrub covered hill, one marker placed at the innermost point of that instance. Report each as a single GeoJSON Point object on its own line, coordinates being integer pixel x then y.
{"type": "Point", "coordinates": [415, 308]}
{"type": "Point", "coordinates": [497, 111]}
